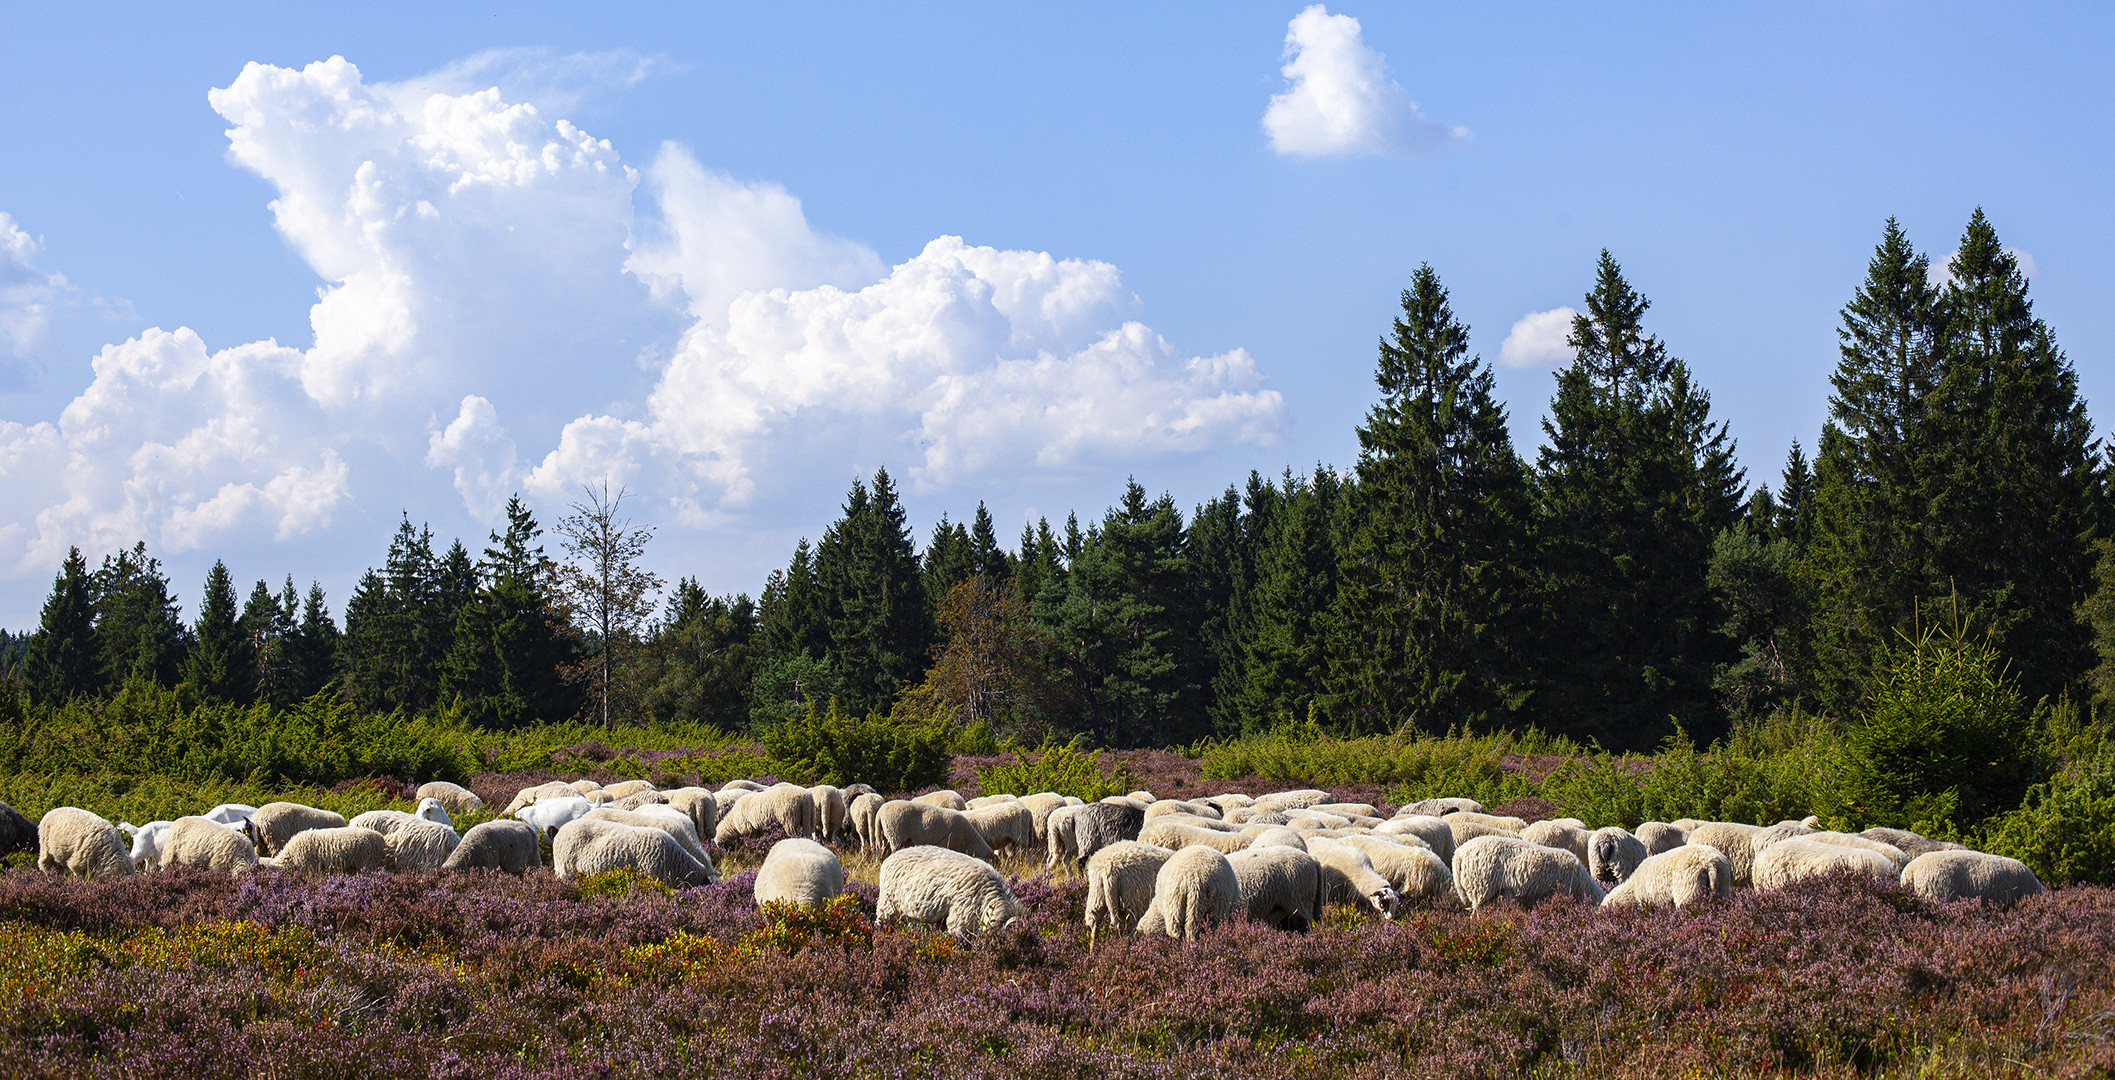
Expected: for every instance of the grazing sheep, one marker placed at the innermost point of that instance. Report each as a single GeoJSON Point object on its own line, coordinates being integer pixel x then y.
{"type": "Point", "coordinates": [787, 806]}
{"type": "Point", "coordinates": [982, 801]}
{"type": "Point", "coordinates": [593, 846]}
{"type": "Point", "coordinates": [421, 846]}
{"type": "Point", "coordinates": [1120, 881]}
{"type": "Point", "coordinates": [1509, 824]}
{"type": "Point", "coordinates": [1166, 807]}
{"type": "Point", "coordinates": [1961, 874]}
{"type": "Point", "coordinates": [833, 815]}
{"type": "Point", "coordinates": [584, 787]}
{"type": "Point", "coordinates": [547, 816]}
{"type": "Point", "coordinates": [1770, 834]}
{"type": "Point", "coordinates": [1039, 806]}
{"type": "Point", "coordinates": [1300, 799]}
{"type": "Point", "coordinates": [1658, 836]}
{"type": "Point", "coordinates": [853, 791]}
{"type": "Point", "coordinates": [1689, 824]}
{"type": "Point", "coordinates": [799, 872]}
{"type": "Point", "coordinates": [204, 844]}
{"type": "Point", "coordinates": [866, 818]}
{"type": "Point", "coordinates": [1909, 843]}
{"type": "Point", "coordinates": [1612, 855]}
{"type": "Point", "coordinates": [1437, 834]}
{"type": "Point", "coordinates": [696, 803]}
{"type": "Point", "coordinates": [1352, 810]}
{"type": "Point", "coordinates": [1680, 875]}
{"type": "Point", "coordinates": [1229, 801]}
{"type": "Point", "coordinates": [1195, 888]}
{"type": "Point", "coordinates": [1348, 877]}
{"type": "Point", "coordinates": [1282, 886]}
{"type": "Point", "coordinates": [1097, 825]}
{"type": "Point", "coordinates": [1557, 834]}
{"type": "Point", "coordinates": [674, 824]}
{"type": "Point", "coordinates": [623, 788]}
{"type": "Point", "coordinates": [1195, 822]}
{"type": "Point", "coordinates": [947, 797]}
{"type": "Point", "coordinates": [333, 849]}
{"type": "Point", "coordinates": [1411, 868]}
{"type": "Point", "coordinates": [1061, 836]}
{"type": "Point", "coordinates": [275, 823]}
{"type": "Point", "coordinates": [383, 821]}
{"type": "Point", "coordinates": [497, 845]}
{"type": "Point", "coordinates": [230, 813]}
{"type": "Point", "coordinates": [908, 824]}
{"type": "Point", "coordinates": [1732, 839]}
{"type": "Point", "coordinates": [943, 888]}
{"type": "Point", "coordinates": [552, 790]}
{"type": "Point", "coordinates": [1176, 836]}
{"type": "Point", "coordinates": [1007, 824]}
{"type": "Point", "coordinates": [457, 798]}
{"type": "Point", "coordinates": [73, 841]}
{"type": "Point", "coordinates": [1440, 808]}
{"type": "Point", "coordinates": [637, 799]}
{"type": "Point", "coordinates": [1804, 857]}
{"type": "Point", "coordinates": [1489, 867]}
{"type": "Point", "coordinates": [1314, 819]}
{"type": "Point", "coordinates": [741, 785]}
{"type": "Point", "coordinates": [1271, 836]}
{"type": "Point", "coordinates": [146, 843]}
{"type": "Point", "coordinates": [1143, 798]}
{"type": "Point", "coordinates": [723, 802]}
{"type": "Point", "coordinates": [1889, 851]}
{"type": "Point", "coordinates": [1246, 815]}
{"type": "Point", "coordinates": [1464, 831]}
{"type": "Point", "coordinates": [600, 798]}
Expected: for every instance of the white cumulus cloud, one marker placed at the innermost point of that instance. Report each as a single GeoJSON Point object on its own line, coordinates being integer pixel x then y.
{"type": "Point", "coordinates": [1538, 339]}
{"type": "Point", "coordinates": [26, 297]}
{"type": "Point", "coordinates": [1339, 100]}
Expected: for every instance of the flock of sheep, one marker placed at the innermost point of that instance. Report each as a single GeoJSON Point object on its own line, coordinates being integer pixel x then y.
{"type": "Point", "coordinates": [1152, 865]}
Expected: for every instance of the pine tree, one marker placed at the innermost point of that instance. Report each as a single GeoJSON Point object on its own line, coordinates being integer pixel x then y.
{"type": "Point", "coordinates": [1795, 502]}
{"type": "Point", "coordinates": [139, 626]}
{"type": "Point", "coordinates": [511, 645]}
{"type": "Point", "coordinates": [990, 559]}
{"type": "Point", "coordinates": [269, 623]}
{"type": "Point", "coordinates": [792, 621]}
{"type": "Point", "coordinates": [950, 559]}
{"type": "Point", "coordinates": [873, 598]}
{"type": "Point", "coordinates": [64, 659]}
{"type": "Point", "coordinates": [312, 652]}
{"type": "Point", "coordinates": [1634, 485]}
{"type": "Point", "coordinates": [1041, 561]}
{"type": "Point", "coordinates": [1222, 567]}
{"type": "Point", "coordinates": [700, 660]}
{"type": "Point", "coordinates": [1295, 585]}
{"type": "Point", "coordinates": [1427, 630]}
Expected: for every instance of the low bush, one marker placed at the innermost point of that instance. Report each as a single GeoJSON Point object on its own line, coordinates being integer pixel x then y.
{"type": "Point", "coordinates": [892, 753]}
{"type": "Point", "coordinates": [1063, 768]}
{"type": "Point", "coordinates": [2065, 829]}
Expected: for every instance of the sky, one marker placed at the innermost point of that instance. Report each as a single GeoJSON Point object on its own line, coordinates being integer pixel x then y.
{"type": "Point", "coordinates": [271, 281]}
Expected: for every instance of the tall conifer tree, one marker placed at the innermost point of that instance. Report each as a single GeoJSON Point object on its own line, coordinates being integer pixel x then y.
{"type": "Point", "coordinates": [64, 658]}
{"type": "Point", "coordinates": [1295, 584]}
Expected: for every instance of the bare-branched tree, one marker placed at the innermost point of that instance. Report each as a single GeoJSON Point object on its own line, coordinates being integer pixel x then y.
{"type": "Point", "coordinates": [605, 586]}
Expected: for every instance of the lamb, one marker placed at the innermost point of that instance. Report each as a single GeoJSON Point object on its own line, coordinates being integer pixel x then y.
{"type": "Point", "coordinates": [147, 843]}
{"type": "Point", "coordinates": [1959, 874]}
{"type": "Point", "coordinates": [333, 849]}
{"type": "Point", "coordinates": [832, 813]}
{"type": "Point", "coordinates": [1440, 808]}
{"type": "Point", "coordinates": [866, 818]}
{"type": "Point", "coordinates": [547, 816]}
{"type": "Point", "coordinates": [1412, 869]}
{"type": "Point", "coordinates": [1040, 805]}
{"type": "Point", "coordinates": [1120, 881]}
{"type": "Point", "coordinates": [1281, 886]}
{"type": "Point", "coordinates": [1489, 867]}
{"type": "Point", "coordinates": [946, 889]}
{"type": "Point", "coordinates": [457, 798]}
{"type": "Point", "coordinates": [905, 824]}
{"type": "Point", "coordinates": [1557, 834]}
{"type": "Point", "coordinates": [1613, 855]}
{"type": "Point", "coordinates": [627, 787]}
{"type": "Point", "coordinates": [800, 872]}
{"type": "Point", "coordinates": [1804, 857]}
{"type": "Point", "coordinates": [1437, 834]}
{"type": "Point", "coordinates": [499, 844]}
{"type": "Point", "coordinates": [73, 841]}
{"type": "Point", "coordinates": [1680, 875]}
{"type": "Point", "coordinates": [1732, 839]}
{"type": "Point", "coordinates": [1292, 800]}
{"type": "Point", "coordinates": [1176, 836]}
{"type": "Point", "coordinates": [1271, 836]}
{"type": "Point", "coordinates": [591, 846]}
{"type": "Point", "coordinates": [674, 824]}
{"type": "Point", "coordinates": [1348, 876]}
{"type": "Point", "coordinates": [419, 846]}
{"type": "Point", "coordinates": [1909, 843]}
{"type": "Point", "coordinates": [788, 806]}
{"type": "Point", "coordinates": [1658, 836]}
{"type": "Point", "coordinates": [204, 844]}
{"type": "Point", "coordinates": [1195, 888]}
{"type": "Point", "coordinates": [275, 823]}
{"type": "Point", "coordinates": [947, 797]}
{"type": "Point", "coordinates": [1005, 824]}
{"type": "Point", "coordinates": [697, 804]}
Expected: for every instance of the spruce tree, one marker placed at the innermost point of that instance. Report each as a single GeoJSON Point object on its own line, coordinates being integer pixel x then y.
{"type": "Point", "coordinates": [873, 598]}
{"type": "Point", "coordinates": [1634, 485]}
{"type": "Point", "coordinates": [64, 659]}
{"type": "Point", "coordinates": [1427, 629]}
{"type": "Point", "coordinates": [312, 652]}
{"type": "Point", "coordinates": [792, 621]}
{"type": "Point", "coordinates": [700, 659]}
{"type": "Point", "coordinates": [139, 625]}
{"type": "Point", "coordinates": [991, 560]}
{"type": "Point", "coordinates": [1220, 564]}
{"type": "Point", "coordinates": [1287, 657]}
{"type": "Point", "coordinates": [950, 559]}
{"type": "Point", "coordinates": [511, 645]}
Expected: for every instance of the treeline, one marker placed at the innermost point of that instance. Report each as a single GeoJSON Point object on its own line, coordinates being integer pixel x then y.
{"type": "Point", "coordinates": [1625, 583]}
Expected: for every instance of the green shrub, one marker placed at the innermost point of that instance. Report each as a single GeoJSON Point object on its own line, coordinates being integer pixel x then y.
{"type": "Point", "coordinates": [1782, 766]}
{"type": "Point", "coordinates": [1471, 766]}
{"type": "Point", "coordinates": [2065, 829]}
{"type": "Point", "coordinates": [1062, 768]}
{"type": "Point", "coordinates": [891, 753]}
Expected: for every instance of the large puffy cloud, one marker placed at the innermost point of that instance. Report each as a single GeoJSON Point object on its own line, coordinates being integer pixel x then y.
{"type": "Point", "coordinates": [26, 297]}
{"type": "Point", "coordinates": [1339, 100]}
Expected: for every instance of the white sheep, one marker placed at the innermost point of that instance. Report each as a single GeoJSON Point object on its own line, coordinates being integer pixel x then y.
{"type": "Point", "coordinates": [1282, 886]}
{"type": "Point", "coordinates": [1315, 819]}
{"type": "Point", "coordinates": [1143, 798]}
{"type": "Point", "coordinates": [419, 846]}
{"type": "Point", "coordinates": [334, 849]}
{"type": "Point", "coordinates": [741, 785]}
{"type": "Point", "coordinates": [789, 807]}
{"type": "Point", "coordinates": [73, 841]}
{"type": "Point", "coordinates": [455, 797]}
{"type": "Point", "coordinates": [1005, 824]}
{"type": "Point", "coordinates": [943, 888]}
{"type": "Point", "coordinates": [853, 791]}
{"type": "Point", "coordinates": [1909, 843]}
{"type": "Point", "coordinates": [723, 802]}
{"type": "Point", "coordinates": [1349, 877]}
{"type": "Point", "coordinates": [1060, 837]}
{"type": "Point", "coordinates": [866, 818]}
{"type": "Point", "coordinates": [1249, 815]}
{"type": "Point", "coordinates": [146, 843]}
{"type": "Point", "coordinates": [1299, 799]}
{"type": "Point", "coordinates": [1734, 840]}
{"type": "Point", "coordinates": [1437, 834]}
{"type": "Point", "coordinates": [1680, 875]}
{"type": "Point", "coordinates": [1612, 855]}
{"type": "Point", "coordinates": [1462, 832]}
{"type": "Point", "coordinates": [1415, 871]}
{"type": "Point", "coordinates": [230, 813]}
{"type": "Point", "coordinates": [1188, 809]}
{"type": "Point", "coordinates": [1560, 835]}
{"type": "Point", "coordinates": [1120, 881]}
{"type": "Point", "coordinates": [584, 787]}
{"type": "Point", "coordinates": [637, 799]}
{"type": "Point", "coordinates": [674, 824]}
{"type": "Point", "coordinates": [1506, 823]}
{"type": "Point", "coordinates": [1229, 801]}
{"type": "Point", "coordinates": [276, 823]}
{"type": "Point", "coordinates": [499, 844]}
{"type": "Point", "coordinates": [591, 846]}
{"type": "Point", "coordinates": [1271, 836]}
{"type": "Point", "coordinates": [1440, 807]}
{"type": "Point", "coordinates": [1192, 820]}
{"type": "Point", "coordinates": [1040, 805]}
{"type": "Point", "coordinates": [1689, 825]}
{"type": "Point", "coordinates": [1889, 851]}
{"type": "Point", "coordinates": [1952, 874]}
{"type": "Point", "coordinates": [982, 801]}
{"type": "Point", "coordinates": [204, 844]}
{"type": "Point", "coordinates": [832, 813]}
{"type": "Point", "coordinates": [553, 790]}
{"type": "Point", "coordinates": [1770, 834]}
{"type": "Point", "coordinates": [1195, 888]}
{"type": "Point", "coordinates": [799, 871]}
{"type": "Point", "coordinates": [622, 788]}
{"type": "Point", "coordinates": [383, 821]}
{"type": "Point", "coordinates": [698, 803]}
{"type": "Point", "coordinates": [1803, 857]}
{"type": "Point", "coordinates": [907, 824]}
{"type": "Point", "coordinates": [947, 797]}
{"type": "Point", "coordinates": [1175, 836]}
{"type": "Point", "coordinates": [547, 816]}
{"type": "Point", "coordinates": [1490, 867]}
{"type": "Point", "coordinates": [1659, 836]}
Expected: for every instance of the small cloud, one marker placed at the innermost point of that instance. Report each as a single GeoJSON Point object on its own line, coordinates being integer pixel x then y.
{"type": "Point", "coordinates": [1539, 339]}
{"type": "Point", "coordinates": [1340, 102]}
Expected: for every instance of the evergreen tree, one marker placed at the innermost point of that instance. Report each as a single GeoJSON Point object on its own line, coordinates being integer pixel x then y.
{"type": "Point", "coordinates": [362, 656]}
{"type": "Point", "coordinates": [990, 559]}
{"type": "Point", "coordinates": [1795, 502]}
{"type": "Point", "coordinates": [791, 621]}
{"type": "Point", "coordinates": [269, 623]}
{"type": "Point", "coordinates": [1427, 630]}
{"type": "Point", "coordinates": [1634, 485]}
{"type": "Point", "coordinates": [312, 649]}
{"type": "Point", "coordinates": [873, 598]}
{"type": "Point", "coordinates": [139, 626]}
{"type": "Point", "coordinates": [64, 659]}
{"type": "Point", "coordinates": [701, 658]}
{"type": "Point", "coordinates": [1221, 564]}
{"type": "Point", "coordinates": [511, 645]}
{"type": "Point", "coordinates": [221, 664]}
{"type": "Point", "coordinates": [950, 559]}
{"type": "Point", "coordinates": [1041, 561]}
{"type": "Point", "coordinates": [1295, 585]}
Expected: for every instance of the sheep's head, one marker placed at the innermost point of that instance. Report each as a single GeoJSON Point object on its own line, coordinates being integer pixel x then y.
{"type": "Point", "coordinates": [1384, 901]}
{"type": "Point", "coordinates": [431, 809]}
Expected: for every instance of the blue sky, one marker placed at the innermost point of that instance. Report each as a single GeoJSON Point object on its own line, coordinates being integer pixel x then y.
{"type": "Point", "coordinates": [1209, 302]}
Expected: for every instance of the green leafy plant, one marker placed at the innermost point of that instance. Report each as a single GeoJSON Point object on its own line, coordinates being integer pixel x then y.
{"type": "Point", "coordinates": [829, 747]}
{"type": "Point", "coordinates": [1060, 767]}
{"type": "Point", "coordinates": [2065, 829]}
